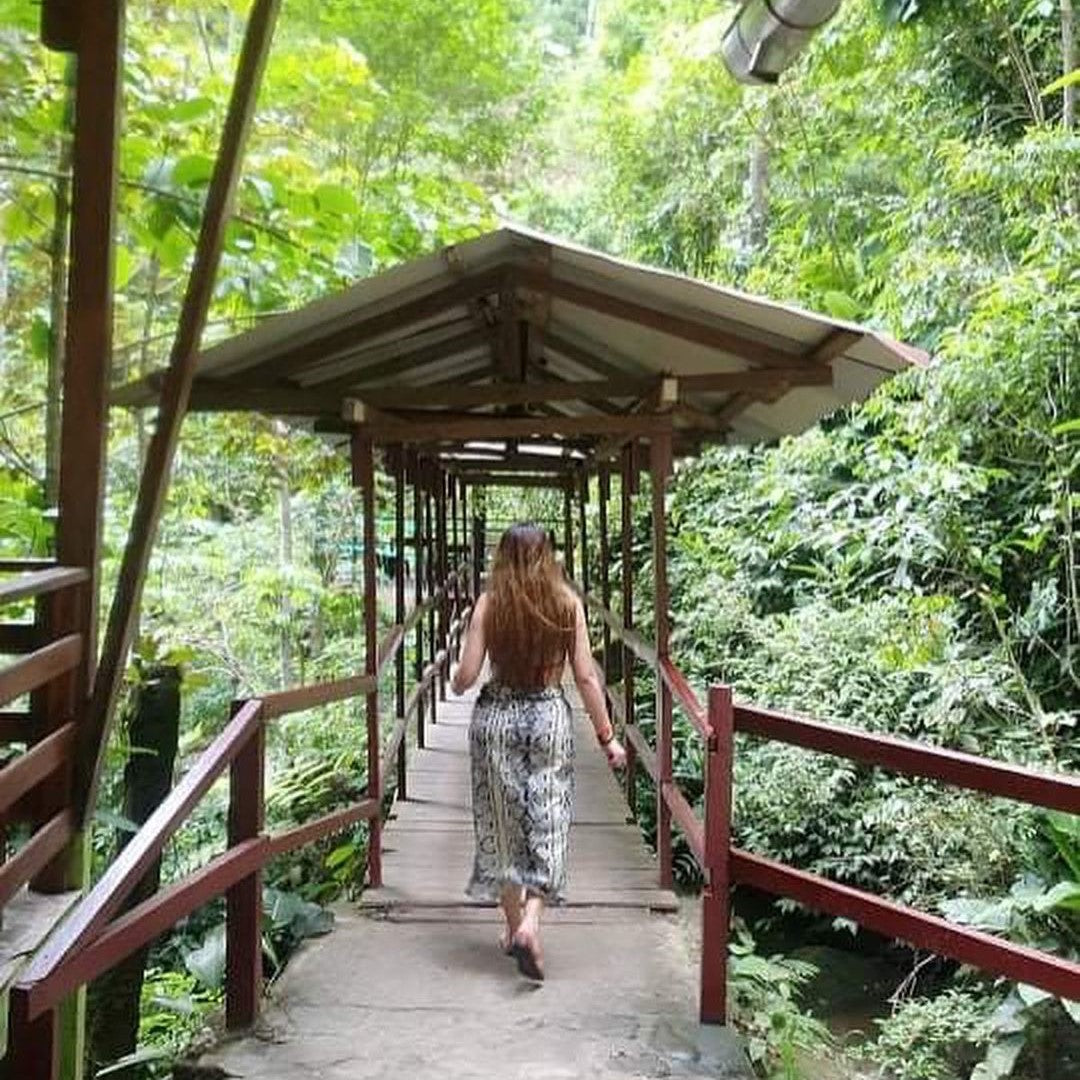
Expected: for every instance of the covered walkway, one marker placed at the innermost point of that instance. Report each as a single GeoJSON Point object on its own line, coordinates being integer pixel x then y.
{"type": "Point", "coordinates": [412, 984]}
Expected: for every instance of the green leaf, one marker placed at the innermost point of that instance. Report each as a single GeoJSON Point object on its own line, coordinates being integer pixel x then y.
{"type": "Point", "coordinates": [1066, 894]}
{"type": "Point", "coordinates": [194, 170]}
{"type": "Point", "coordinates": [1070, 79]}
{"type": "Point", "coordinates": [207, 962]}
{"type": "Point", "coordinates": [185, 112]}
{"type": "Point", "coordinates": [142, 1056]}
{"type": "Point", "coordinates": [39, 337]}
{"type": "Point", "coordinates": [1066, 427]}
{"type": "Point", "coordinates": [840, 305]}
{"type": "Point", "coordinates": [335, 199]}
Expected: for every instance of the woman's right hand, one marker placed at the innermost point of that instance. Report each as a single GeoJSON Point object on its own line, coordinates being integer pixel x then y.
{"type": "Point", "coordinates": [616, 754]}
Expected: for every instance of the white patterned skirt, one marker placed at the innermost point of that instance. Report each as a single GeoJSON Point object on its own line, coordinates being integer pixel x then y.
{"type": "Point", "coordinates": [521, 746]}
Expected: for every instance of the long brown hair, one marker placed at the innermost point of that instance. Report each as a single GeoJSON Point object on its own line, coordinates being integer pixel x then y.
{"type": "Point", "coordinates": [530, 618]}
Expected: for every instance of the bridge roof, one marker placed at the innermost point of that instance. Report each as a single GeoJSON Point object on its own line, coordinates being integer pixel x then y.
{"type": "Point", "coordinates": [520, 335]}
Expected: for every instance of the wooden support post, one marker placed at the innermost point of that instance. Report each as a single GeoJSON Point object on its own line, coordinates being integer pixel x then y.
{"type": "Point", "coordinates": [455, 551]}
{"type": "Point", "coordinates": [418, 588]}
{"type": "Point", "coordinates": [174, 399]}
{"type": "Point", "coordinates": [603, 484]}
{"type": "Point", "coordinates": [464, 558]}
{"type": "Point", "coordinates": [363, 461]}
{"type": "Point", "coordinates": [477, 548]}
{"type": "Point", "coordinates": [716, 901]}
{"type": "Point", "coordinates": [243, 901]}
{"type": "Point", "coordinates": [626, 490]}
{"type": "Point", "coordinates": [33, 1045]}
{"type": "Point", "coordinates": [660, 468]}
{"type": "Point", "coordinates": [399, 608]}
{"type": "Point", "coordinates": [583, 498]}
{"type": "Point", "coordinates": [432, 572]}
{"type": "Point", "coordinates": [568, 528]}
{"type": "Point", "coordinates": [444, 603]}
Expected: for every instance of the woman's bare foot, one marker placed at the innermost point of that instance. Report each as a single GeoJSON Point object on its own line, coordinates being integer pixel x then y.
{"type": "Point", "coordinates": [510, 902]}
{"type": "Point", "coordinates": [525, 949]}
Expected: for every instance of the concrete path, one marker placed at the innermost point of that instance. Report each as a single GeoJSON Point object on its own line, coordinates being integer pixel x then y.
{"type": "Point", "coordinates": [410, 985]}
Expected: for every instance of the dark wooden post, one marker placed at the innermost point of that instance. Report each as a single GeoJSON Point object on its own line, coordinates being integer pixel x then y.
{"type": "Point", "coordinates": [463, 558]}
{"type": "Point", "coordinates": [33, 1045]}
{"type": "Point", "coordinates": [455, 551]}
{"type": "Point", "coordinates": [603, 484]}
{"type": "Point", "coordinates": [432, 576]}
{"type": "Point", "coordinates": [243, 901]}
{"type": "Point", "coordinates": [418, 588]}
{"type": "Point", "coordinates": [716, 902]}
{"type": "Point", "coordinates": [444, 602]}
{"type": "Point", "coordinates": [399, 608]}
{"type": "Point", "coordinates": [627, 487]}
{"type": "Point", "coordinates": [660, 468]}
{"type": "Point", "coordinates": [568, 527]}
{"type": "Point", "coordinates": [363, 457]}
{"type": "Point", "coordinates": [583, 498]}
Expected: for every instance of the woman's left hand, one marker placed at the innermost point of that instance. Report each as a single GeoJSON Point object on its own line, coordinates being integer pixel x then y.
{"type": "Point", "coordinates": [616, 754]}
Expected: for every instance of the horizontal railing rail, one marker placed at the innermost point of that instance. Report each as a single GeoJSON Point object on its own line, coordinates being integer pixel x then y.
{"type": "Point", "coordinates": [723, 865]}
{"type": "Point", "coordinates": [97, 935]}
{"type": "Point", "coordinates": [39, 741]}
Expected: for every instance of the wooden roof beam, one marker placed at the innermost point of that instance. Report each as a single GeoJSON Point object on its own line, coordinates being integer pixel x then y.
{"type": "Point", "coordinates": [501, 427]}
{"type": "Point", "coordinates": [220, 198]}
{"type": "Point", "coordinates": [673, 323]}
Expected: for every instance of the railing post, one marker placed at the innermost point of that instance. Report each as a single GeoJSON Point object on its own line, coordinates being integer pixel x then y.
{"type": "Point", "coordinates": [628, 488]}
{"type": "Point", "coordinates": [432, 576]}
{"type": "Point", "coordinates": [243, 901]}
{"type": "Point", "coordinates": [399, 611]}
{"type": "Point", "coordinates": [363, 463]}
{"type": "Point", "coordinates": [603, 494]}
{"type": "Point", "coordinates": [583, 499]}
{"type": "Point", "coordinates": [716, 902]}
{"type": "Point", "coordinates": [568, 527]}
{"type": "Point", "coordinates": [418, 589]}
{"type": "Point", "coordinates": [660, 468]}
{"type": "Point", "coordinates": [444, 601]}
{"type": "Point", "coordinates": [33, 1045]}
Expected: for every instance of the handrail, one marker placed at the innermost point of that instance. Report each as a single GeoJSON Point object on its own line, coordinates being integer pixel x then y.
{"type": "Point", "coordinates": [27, 564]}
{"type": "Point", "coordinates": [106, 898]}
{"type": "Point", "coordinates": [94, 938]}
{"type": "Point", "coordinates": [39, 762]}
{"type": "Point", "coordinates": [725, 865]}
{"type": "Point", "coordinates": [39, 667]}
{"type": "Point", "coordinates": [142, 924]}
{"type": "Point", "coordinates": [40, 582]}
{"type": "Point", "coordinates": [685, 696]}
{"type": "Point", "coordinates": [985, 951]}
{"type": "Point", "coordinates": [36, 854]}
{"type": "Point", "coordinates": [301, 698]}
{"type": "Point", "coordinates": [1056, 791]}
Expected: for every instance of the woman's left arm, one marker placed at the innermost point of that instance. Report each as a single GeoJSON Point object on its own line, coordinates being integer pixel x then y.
{"type": "Point", "coordinates": [472, 654]}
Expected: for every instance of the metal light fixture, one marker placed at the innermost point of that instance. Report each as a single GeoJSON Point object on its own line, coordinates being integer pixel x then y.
{"type": "Point", "coordinates": [767, 36]}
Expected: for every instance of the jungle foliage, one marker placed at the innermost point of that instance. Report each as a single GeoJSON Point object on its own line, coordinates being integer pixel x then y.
{"type": "Point", "coordinates": [909, 566]}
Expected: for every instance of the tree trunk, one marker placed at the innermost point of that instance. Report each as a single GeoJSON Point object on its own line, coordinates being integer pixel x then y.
{"type": "Point", "coordinates": [153, 731]}
{"type": "Point", "coordinates": [58, 259]}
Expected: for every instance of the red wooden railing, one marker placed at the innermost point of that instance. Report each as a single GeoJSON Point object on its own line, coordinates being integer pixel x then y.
{"type": "Point", "coordinates": [34, 782]}
{"type": "Point", "coordinates": [95, 937]}
{"type": "Point", "coordinates": [709, 838]}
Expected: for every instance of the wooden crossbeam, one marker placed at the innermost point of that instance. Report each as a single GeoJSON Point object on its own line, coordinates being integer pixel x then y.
{"type": "Point", "coordinates": [496, 427]}
{"type": "Point", "coordinates": [674, 323]}
{"type": "Point", "coordinates": [495, 479]}
{"type": "Point", "coordinates": [155, 477]}
{"type": "Point", "coordinates": [456, 294]}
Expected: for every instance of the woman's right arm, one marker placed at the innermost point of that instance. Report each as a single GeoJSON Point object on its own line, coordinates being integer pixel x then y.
{"type": "Point", "coordinates": [472, 653]}
{"type": "Point", "coordinates": [592, 693]}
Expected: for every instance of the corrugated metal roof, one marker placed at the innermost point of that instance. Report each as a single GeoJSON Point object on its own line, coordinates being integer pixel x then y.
{"type": "Point", "coordinates": [516, 306]}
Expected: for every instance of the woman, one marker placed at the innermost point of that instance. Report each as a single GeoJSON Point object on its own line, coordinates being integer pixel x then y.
{"type": "Point", "coordinates": [528, 623]}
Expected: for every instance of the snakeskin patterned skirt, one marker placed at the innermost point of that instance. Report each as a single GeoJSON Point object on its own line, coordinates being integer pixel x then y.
{"type": "Point", "coordinates": [522, 755]}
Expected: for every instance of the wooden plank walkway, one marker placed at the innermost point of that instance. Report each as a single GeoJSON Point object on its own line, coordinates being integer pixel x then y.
{"type": "Point", "coordinates": [411, 985]}
{"type": "Point", "coordinates": [428, 844]}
